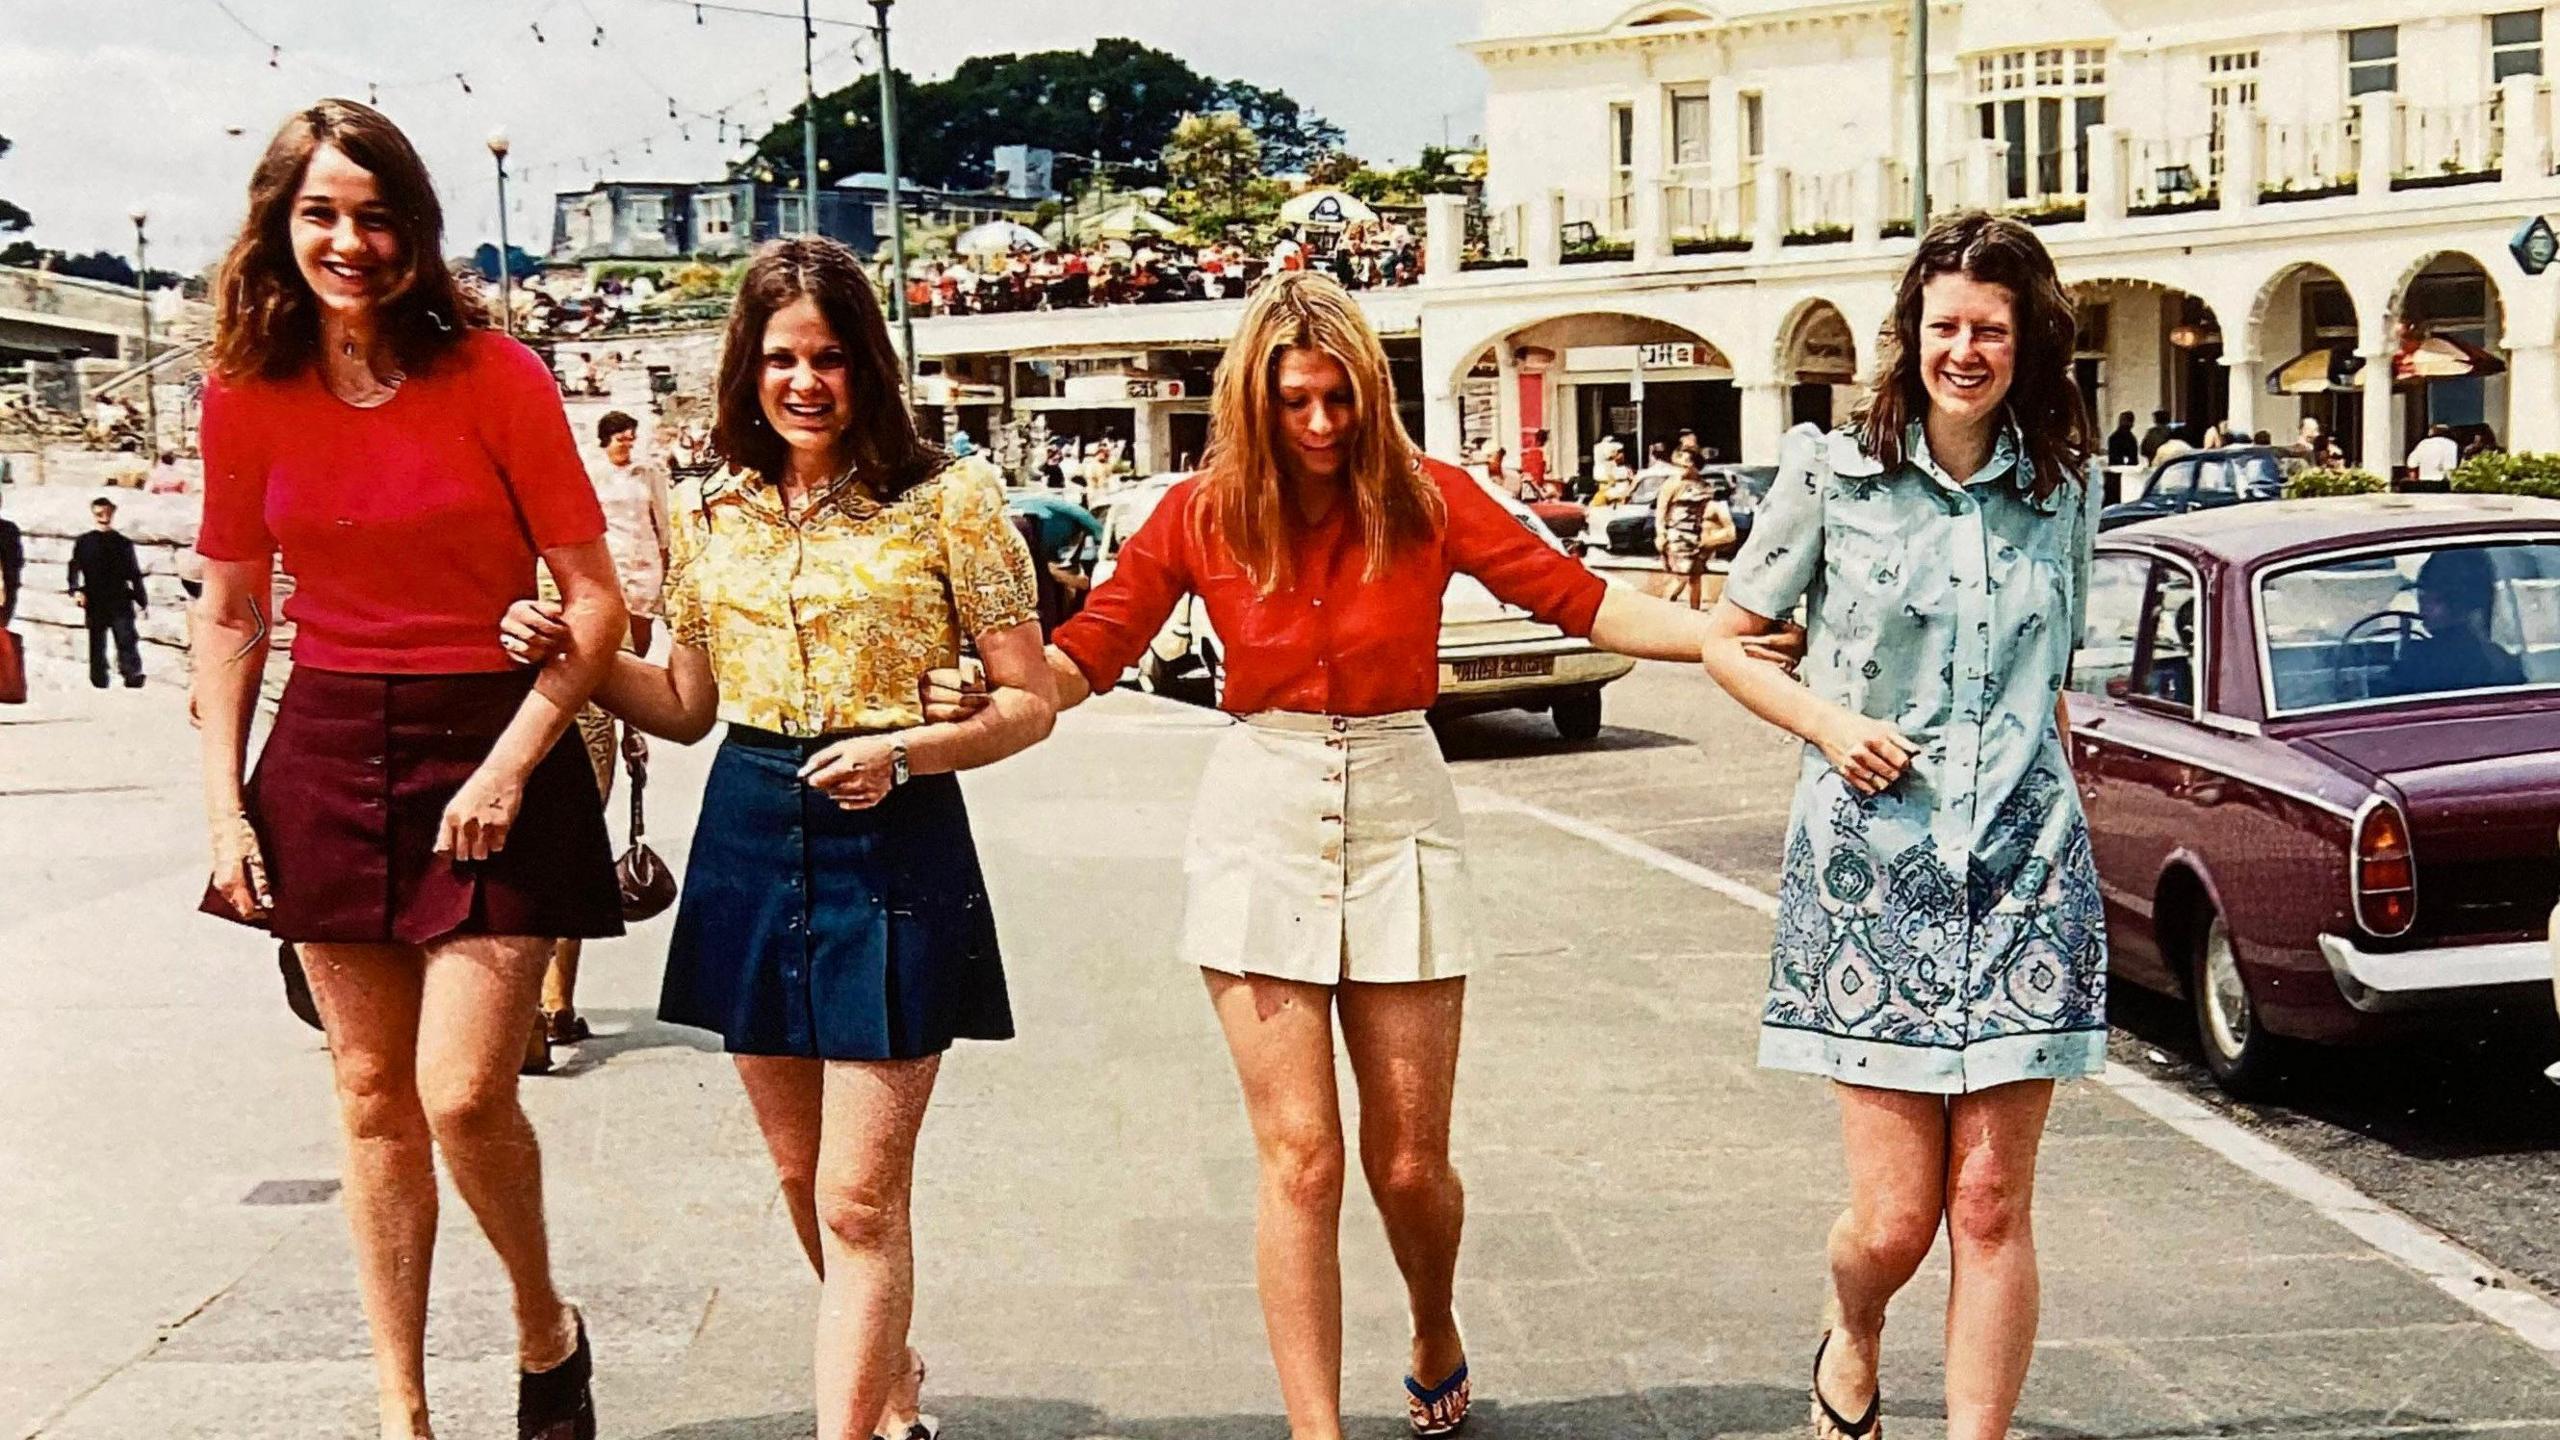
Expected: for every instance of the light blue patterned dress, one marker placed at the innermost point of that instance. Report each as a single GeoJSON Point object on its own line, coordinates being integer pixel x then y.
{"type": "Point", "coordinates": [1946, 935]}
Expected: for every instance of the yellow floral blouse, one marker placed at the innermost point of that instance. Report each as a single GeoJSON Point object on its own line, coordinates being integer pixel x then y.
{"type": "Point", "coordinates": [828, 623]}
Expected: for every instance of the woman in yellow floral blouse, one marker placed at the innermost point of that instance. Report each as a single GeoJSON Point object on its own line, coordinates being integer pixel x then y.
{"type": "Point", "coordinates": [834, 928]}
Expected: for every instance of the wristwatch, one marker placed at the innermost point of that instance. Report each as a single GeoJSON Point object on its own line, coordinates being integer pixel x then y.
{"type": "Point", "coordinates": [897, 763]}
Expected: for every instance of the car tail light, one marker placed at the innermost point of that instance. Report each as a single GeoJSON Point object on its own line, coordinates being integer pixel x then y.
{"type": "Point", "coordinates": [2385, 872]}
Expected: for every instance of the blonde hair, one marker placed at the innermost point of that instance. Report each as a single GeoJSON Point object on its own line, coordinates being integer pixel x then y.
{"type": "Point", "coordinates": [1242, 496]}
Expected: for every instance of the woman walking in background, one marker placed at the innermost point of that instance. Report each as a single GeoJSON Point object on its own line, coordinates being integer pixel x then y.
{"type": "Point", "coordinates": [1940, 952]}
{"type": "Point", "coordinates": [1326, 861]}
{"type": "Point", "coordinates": [632, 492]}
{"type": "Point", "coordinates": [1691, 517]}
{"type": "Point", "coordinates": [418, 823]}
{"type": "Point", "coordinates": [835, 930]}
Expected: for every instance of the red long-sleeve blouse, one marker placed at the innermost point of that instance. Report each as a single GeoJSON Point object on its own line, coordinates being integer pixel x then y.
{"type": "Point", "coordinates": [1330, 642]}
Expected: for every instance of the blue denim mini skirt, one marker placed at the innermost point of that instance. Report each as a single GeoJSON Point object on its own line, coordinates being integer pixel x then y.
{"type": "Point", "coordinates": [809, 930]}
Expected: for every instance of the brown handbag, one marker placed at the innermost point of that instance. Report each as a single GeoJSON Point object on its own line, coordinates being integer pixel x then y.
{"type": "Point", "coordinates": [648, 886]}
{"type": "Point", "coordinates": [13, 669]}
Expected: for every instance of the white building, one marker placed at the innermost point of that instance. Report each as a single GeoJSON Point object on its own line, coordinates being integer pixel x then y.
{"type": "Point", "coordinates": [1719, 193]}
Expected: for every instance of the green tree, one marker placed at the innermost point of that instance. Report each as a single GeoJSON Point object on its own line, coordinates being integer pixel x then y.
{"type": "Point", "coordinates": [1334, 167]}
{"type": "Point", "coordinates": [1214, 157]}
{"type": "Point", "coordinates": [1293, 138]}
{"type": "Point", "coordinates": [12, 218]}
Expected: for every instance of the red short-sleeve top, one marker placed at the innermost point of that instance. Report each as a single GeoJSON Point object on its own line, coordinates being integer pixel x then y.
{"type": "Point", "coordinates": [1332, 641]}
{"type": "Point", "coordinates": [408, 528]}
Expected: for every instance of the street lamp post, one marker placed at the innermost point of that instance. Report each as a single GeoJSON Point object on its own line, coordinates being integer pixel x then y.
{"type": "Point", "coordinates": [506, 265]}
{"type": "Point", "coordinates": [897, 206]}
{"type": "Point", "coordinates": [142, 282]}
{"type": "Point", "coordinates": [809, 116]}
{"type": "Point", "coordinates": [1094, 101]}
{"type": "Point", "coordinates": [1920, 117]}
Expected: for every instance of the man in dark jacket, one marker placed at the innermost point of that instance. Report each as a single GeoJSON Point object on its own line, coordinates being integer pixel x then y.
{"type": "Point", "coordinates": [106, 578]}
{"type": "Point", "coordinates": [13, 563]}
{"type": "Point", "coordinates": [2124, 448]}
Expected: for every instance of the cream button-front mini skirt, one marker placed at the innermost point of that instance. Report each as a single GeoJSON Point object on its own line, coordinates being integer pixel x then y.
{"type": "Point", "coordinates": [1327, 848]}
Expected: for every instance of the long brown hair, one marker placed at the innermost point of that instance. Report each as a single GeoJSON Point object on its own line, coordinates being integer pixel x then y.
{"type": "Point", "coordinates": [2044, 401]}
{"type": "Point", "coordinates": [1242, 492]}
{"type": "Point", "coordinates": [881, 442]}
{"type": "Point", "coordinates": [265, 319]}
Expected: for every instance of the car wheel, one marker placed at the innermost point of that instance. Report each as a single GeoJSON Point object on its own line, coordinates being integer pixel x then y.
{"type": "Point", "coordinates": [1577, 717]}
{"type": "Point", "coordinates": [2237, 1048]}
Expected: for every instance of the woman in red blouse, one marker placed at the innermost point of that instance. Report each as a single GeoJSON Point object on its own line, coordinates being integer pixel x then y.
{"type": "Point", "coordinates": [417, 824]}
{"type": "Point", "coordinates": [1325, 865]}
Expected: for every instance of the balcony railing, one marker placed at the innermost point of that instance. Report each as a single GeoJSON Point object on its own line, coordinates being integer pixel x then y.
{"type": "Point", "coordinates": [1494, 238]}
{"type": "Point", "coordinates": [1946, 192]}
{"type": "Point", "coordinates": [1706, 214]}
{"type": "Point", "coordinates": [2167, 176]}
{"type": "Point", "coordinates": [1821, 208]}
{"type": "Point", "coordinates": [2308, 157]}
{"type": "Point", "coordinates": [2448, 144]}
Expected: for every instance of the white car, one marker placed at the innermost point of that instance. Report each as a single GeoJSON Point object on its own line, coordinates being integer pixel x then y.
{"type": "Point", "coordinates": [1492, 656]}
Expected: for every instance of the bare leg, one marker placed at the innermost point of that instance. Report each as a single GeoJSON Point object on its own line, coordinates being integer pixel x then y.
{"type": "Point", "coordinates": [871, 1111]}
{"type": "Point", "coordinates": [368, 997]}
{"type": "Point", "coordinates": [1403, 1043]}
{"type": "Point", "coordinates": [1993, 1137]}
{"type": "Point", "coordinates": [1897, 1151]}
{"type": "Point", "coordinates": [1281, 1035]}
{"type": "Point", "coordinates": [560, 978]}
{"type": "Point", "coordinates": [787, 1095]}
{"type": "Point", "coordinates": [478, 990]}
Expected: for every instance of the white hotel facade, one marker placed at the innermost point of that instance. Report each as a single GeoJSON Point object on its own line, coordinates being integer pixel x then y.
{"type": "Point", "coordinates": [1719, 193]}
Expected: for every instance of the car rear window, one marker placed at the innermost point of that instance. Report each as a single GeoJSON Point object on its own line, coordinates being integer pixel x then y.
{"type": "Point", "coordinates": [2442, 619]}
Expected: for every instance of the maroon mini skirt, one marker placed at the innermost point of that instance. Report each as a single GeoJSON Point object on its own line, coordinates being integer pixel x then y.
{"type": "Point", "coordinates": [351, 788]}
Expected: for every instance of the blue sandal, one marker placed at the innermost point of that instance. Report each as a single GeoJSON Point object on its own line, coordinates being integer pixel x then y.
{"type": "Point", "coordinates": [1441, 1409]}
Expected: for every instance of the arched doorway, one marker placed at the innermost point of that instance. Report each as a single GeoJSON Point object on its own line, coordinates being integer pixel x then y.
{"type": "Point", "coordinates": [2460, 380]}
{"type": "Point", "coordinates": [1584, 376]}
{"type": "Point", "coordinates": [1818, 362]}
{"type": "Point", "coordinates": [2305, 320]}
{"type": "Point", "coordinates": [2154, 351]}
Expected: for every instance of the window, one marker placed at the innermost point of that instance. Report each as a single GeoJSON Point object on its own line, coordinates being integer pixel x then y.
{"type": "Point", "coordinates": [2373, 60]}
{"type": "Point", "coordinates": [716, 214]}
{"type": "Point", "coordinates": [2231, 82]}
{"type": "Point", "coordinates": [2104, 661]}
{"type": "Point", "coordinates": [2515, 44]}
{"type": "Point", "coordinates": [1754, 135]}
{"type": "Point", "coordinates": [1689, 128]}
{"type": "Point", "coordinates": [2042, 102]}
{"type": "Point", "coordinates": [2426, 620]}
{"type": "Point", "coordinates": [1622, 159]}
{"type": "Point", "coordinates": [2169, 662]}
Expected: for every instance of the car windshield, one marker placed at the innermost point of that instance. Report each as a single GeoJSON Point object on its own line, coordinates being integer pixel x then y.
{"type": "Point", "coordinates": [2442, 619]}
{"type": "Point", "coordinates": [1648, 490]}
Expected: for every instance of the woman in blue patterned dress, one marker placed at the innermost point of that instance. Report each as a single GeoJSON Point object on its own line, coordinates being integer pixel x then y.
{"type": "Point", "coordinates": [1939, 952]}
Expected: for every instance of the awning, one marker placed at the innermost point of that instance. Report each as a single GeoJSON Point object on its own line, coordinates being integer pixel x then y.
{"type": "Point", "coordinates": [2441, 357]}
{"type": "Point", "coordinates": [2314, 372]}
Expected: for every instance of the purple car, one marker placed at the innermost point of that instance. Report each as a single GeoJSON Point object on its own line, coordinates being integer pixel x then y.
{"type": "Point", "coordinates": [2319, 746]}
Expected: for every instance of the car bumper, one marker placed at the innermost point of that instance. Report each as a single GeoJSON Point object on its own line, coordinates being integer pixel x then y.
{"type": "Point", "coordinates": [2377, 983]}
{"type": "Point", "coordinates": [1537, 670]}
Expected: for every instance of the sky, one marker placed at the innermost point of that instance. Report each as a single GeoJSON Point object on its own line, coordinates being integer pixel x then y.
{"type": "Point", "coordinates": [165, 104]}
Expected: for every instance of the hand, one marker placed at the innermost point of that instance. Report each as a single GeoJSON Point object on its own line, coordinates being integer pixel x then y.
{"type": "Point", "coordinates": [854, 773]}
{"type": "Point", "coordinates": [80, 599]}
{"type": "Point", "coordinates": [951, 696]}
{"type": "Point", "coordinates": [1783, 648]}
{"type": "Point", "coordinates": [240, 868]}
{"type": "Point", "coordinates": [533, 632]}
{"type": "Point", "coordinates": [1870, 754]}
{"type": "Point", "coordinates": [477, 820]}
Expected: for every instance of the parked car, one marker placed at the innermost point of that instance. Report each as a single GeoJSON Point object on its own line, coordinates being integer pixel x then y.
{"type": "Point", "coordinates": [2319, 747]}
{"type": "Point", "coordinates": [1492, 656]}
{"type": "Point", "coordinates": [1628, 529]}
{"type": "Point", "coordinates": [1565, 519]}
{"type": "Point", "coordinates": [2203, 480]}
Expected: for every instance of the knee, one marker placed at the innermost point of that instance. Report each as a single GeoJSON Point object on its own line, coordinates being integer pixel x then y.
{"type": "Point", "coordinates": [1895, 1235]}
{"type": "Point", "coordinates": [469, 1104]}
{"type": "Point", "coordinates": [1304, 1168]}
{"type": "Point", "coordinates": [862, 1214]}
{"type": "Point", "coordinates": [1989, 1211]}
{"type": "Point", "coordinates": [377, 1098]}
{"type": "Point", "coordinates": [1413, 1176]}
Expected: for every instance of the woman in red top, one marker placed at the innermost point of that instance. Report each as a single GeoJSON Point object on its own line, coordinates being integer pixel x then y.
{"type": "Point", "coordinates": [417, 823]}
{"type": "Point", "coordinates": [1326, 869]}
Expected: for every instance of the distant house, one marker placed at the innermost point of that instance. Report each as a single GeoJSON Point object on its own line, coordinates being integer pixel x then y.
{"type": "Point", "coordinates": [671, 219]}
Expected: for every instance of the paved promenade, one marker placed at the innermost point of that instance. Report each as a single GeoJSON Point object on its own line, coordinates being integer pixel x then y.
{"type": "Point", "coordinates": [1643, 1240]}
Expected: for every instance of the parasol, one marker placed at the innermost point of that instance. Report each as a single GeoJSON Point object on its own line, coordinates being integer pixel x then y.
{"type": "Point", "coordinates": [1327, 207]}
{"type": "Point", "coordinates": [2317, 371]}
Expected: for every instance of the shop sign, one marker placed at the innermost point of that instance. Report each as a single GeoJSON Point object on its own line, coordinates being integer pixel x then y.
{"type": "Point", "coordinates": [1107, 388]}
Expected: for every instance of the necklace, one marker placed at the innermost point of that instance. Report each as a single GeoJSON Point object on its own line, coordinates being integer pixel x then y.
{"type": "Point", "coordinates": [371, 391]}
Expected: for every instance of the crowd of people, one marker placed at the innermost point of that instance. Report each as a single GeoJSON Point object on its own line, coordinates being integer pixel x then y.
{"type": "Point", "coordinates": [1156, 270]}
{"type": "Point", "coordinates": [2431, 461]}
